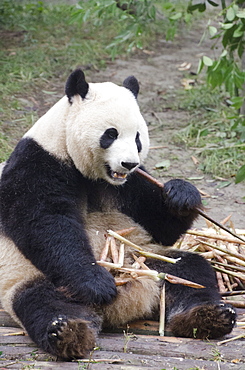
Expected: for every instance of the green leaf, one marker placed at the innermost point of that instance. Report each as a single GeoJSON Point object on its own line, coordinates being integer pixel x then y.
{"type": "Point", "coordinates": [212, 30]}
{"type": "Point", "coordinates": [223, 54]}
{"type": "Point", "coordinates": [163, 164]}
{"type": "Point", "coordinates": [191, 8]}
{"type": "Point", "coordinates": [202, 7]}
{"type": "Point", "coordinates": [240, 49]}
{"type": "Point", "coordinates": [230, 14]}
{"type": "Point", "coordinates": [241, 14]}
{"type": "Point", "coordinates": [212, 3]}
{"type": "Point", "coordinates": [176, 16]}
{"type": "Point", "coordinates": [238, 32]}
{"type": "Point", "coordinates": [200, 66]}
{"type": "Point", "coordinates": [226, 26]}
{"type": "Point", "coordinates": [240, 176]}
{"type": "Point", "coordinates": [207, 61]}
{"type": "Point", "coordinates": [237, 102]}
{"type": "Point", "coordinates": [224, 184]}
{"type": "Point", "coordinates": [195, 178]}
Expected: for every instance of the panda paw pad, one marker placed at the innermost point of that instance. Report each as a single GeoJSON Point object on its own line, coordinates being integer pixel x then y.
{"type": "Point", "coordinates": [70, 338]}
{"type": "Point", "coordinates": [204, 321]}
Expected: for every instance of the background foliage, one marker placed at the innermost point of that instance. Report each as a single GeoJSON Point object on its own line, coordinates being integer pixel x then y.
{"type": "Point", "coordinates": [42, 40]}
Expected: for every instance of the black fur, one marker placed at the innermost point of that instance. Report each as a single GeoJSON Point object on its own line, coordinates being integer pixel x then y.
{"type": "Point", "coordinates": [40, 199]}
{"type": "Point", "coordinates": [108, 137]}
{"type": "Point", "coordinates": [76, 84]}
{"type": "Point", "coordinates": [57, 324]}
{"type": "Point", "coordinates": [138, 142]}
{"type": "Point", "coordinates": [193, 312]}
{"type": "Point", "coordinates": [165, 214]}
{"type": "Point", "coordinates": [131, 83]}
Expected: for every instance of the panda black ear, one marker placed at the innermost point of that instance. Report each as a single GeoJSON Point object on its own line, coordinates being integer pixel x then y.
{"type": "Point", "coordinates": [132, 84]}
{"type": "Point", "coordinates": [76, 84]}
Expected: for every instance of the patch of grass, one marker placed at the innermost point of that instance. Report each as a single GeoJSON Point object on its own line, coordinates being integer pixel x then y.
{"type": "Point", "coordinates": [212, 131]}
{"type": "Point", "coordinates": [40, 44]}
{"type": "Point", "coordinates": [38, 47]}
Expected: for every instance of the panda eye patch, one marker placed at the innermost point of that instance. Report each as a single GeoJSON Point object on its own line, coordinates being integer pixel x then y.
{"type": "Point", "coordinates": [108, 137]}
{"type": "Point", "coordinates": [138, 142]}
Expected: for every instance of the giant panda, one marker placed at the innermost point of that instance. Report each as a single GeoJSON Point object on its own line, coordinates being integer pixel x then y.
{"type": "Point", "coordinates": [70, 179]}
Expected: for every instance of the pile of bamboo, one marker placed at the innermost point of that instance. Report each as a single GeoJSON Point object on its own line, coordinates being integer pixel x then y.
{"type": "Point", "coordinates": [226, 254]}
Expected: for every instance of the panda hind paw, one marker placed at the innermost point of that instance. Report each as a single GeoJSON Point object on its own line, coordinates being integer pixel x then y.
{"type": "Point", "coordinates": [70, 338]}
{"type": "Point", "coordinates": [205, 321]}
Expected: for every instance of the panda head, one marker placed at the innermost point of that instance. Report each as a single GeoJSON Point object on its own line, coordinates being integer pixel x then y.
{"type": "Point", "coordinates": [106, 135]}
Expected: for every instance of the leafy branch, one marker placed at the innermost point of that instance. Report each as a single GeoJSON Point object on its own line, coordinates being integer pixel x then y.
{"type": "Point", "coordinates": [228, 70]}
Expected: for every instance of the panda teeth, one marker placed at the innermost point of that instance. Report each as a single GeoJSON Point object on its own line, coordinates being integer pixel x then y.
{"type": "Point", "coordinates": [117, 175]}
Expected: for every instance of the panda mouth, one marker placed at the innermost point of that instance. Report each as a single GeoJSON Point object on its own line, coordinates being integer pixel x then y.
{"type": "Point", "coordinates": [117, 176]}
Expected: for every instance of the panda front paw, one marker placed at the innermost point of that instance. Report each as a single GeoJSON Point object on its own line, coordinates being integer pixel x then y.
{"type": "Point", "coordinates": [97, 286]}
{"type": "Point", "coordinates": [181, 197]}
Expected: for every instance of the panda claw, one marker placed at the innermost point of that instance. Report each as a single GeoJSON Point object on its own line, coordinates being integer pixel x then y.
{"type": "Point", "coordinates": [70, 338]}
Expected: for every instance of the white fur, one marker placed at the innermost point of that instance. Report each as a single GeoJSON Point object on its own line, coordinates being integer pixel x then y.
{"type": "Point", "coordinates": [16, 270]}
{"type": "Point", "coordinates": [72, 131]}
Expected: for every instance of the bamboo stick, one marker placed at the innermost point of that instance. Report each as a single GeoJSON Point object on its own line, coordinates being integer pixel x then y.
{"type": "Point", "coordinates": [231, 339]}
{"type": "Point", "coordinates": [224, 250]}
{"type": "Point", "coordinates": [232, 273]}
{"type": "Point", "coordinates": [121, 254]}
{"type": "Point", "coordinates": [155, 275]}
{"type": "Point", "coordinates": [229, 294]}
{"type": "Point", "coordinates": [237, 304]}
{"type": "Point", "coordinates": [105, 250]}
{"type": "Point", "coordinates": [224, 238]}
{"type": "Point", "coordinates": [140, 250]}
{"type": "Point", "coordinates": [199, 210]}
{"type": "Point", "coordinates": [162, 312]}
{"type": "Point", "coordinates": [221, 285]}
{"type": "Point", "coordinates": [114, 251]}
{"type": "Point", "coordinates": [233, 267]}
{"type": "Point", "coordinates": [124, 232]}
{"type": "Point", "coordinates": [124, 240]}
{"type": "Point", "coordinates": [177, 280]}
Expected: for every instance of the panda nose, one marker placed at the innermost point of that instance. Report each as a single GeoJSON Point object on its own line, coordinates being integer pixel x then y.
{"type": "Point", "coordinates": [129, 165]}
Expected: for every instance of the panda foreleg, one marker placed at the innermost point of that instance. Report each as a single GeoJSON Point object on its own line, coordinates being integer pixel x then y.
{"type": "Point", "coordinates": [55, 323]}
{"type": "Point", "coordinates": [191, 312]}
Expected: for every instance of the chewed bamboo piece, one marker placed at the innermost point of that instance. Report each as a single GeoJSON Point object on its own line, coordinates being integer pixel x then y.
{"type": "Point", "coordinates": [140, 250]}
{"type": "Point", "coordinates": [153, 274]}
{"type": "Point", "coordinates": [227, 256]}
{"type": "Point", "coordinates": [240, 336]}
{"type": "Point", "coordinates": [162, 312]}
{"type": "Point", "coordinates": [224, 238]}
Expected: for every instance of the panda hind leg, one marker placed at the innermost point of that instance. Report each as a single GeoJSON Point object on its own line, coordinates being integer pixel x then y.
{"type": "Point", "coordinates": [204, 321]}
{"type": "Point", "coordinates": [194, 312]}
{"type": "Point", "coordinates": [56, 324]}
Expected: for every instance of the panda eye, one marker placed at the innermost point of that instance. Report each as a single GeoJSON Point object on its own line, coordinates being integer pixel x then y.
{"type": "Point", "coordinates": [112, 133]}
{"type": "Point", "coordinates": [108, 137]}
{"type": "Point", "coordinates": [138, 142]}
